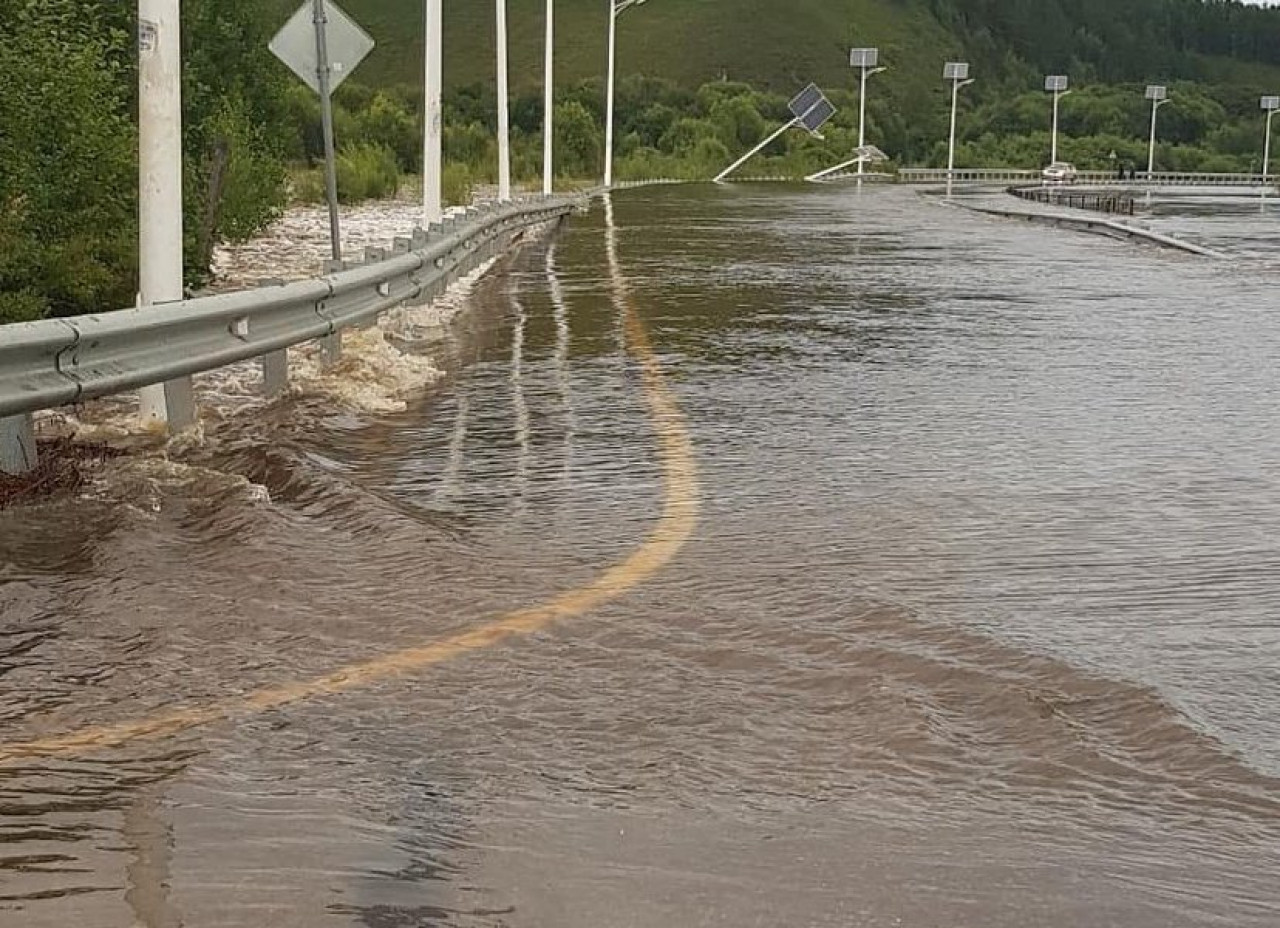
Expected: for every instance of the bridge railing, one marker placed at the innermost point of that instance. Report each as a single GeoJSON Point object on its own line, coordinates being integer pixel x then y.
{"type": "Point", "coordinates": [1011, 175]}
{"type": "Point", "coordinates": [60, 362]}
{"type": "Point", "coordinates": [1098, 200]}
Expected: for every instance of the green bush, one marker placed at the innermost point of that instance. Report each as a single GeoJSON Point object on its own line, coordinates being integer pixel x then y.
{"type": "Point", "coordinates": [367, 172]}
{"type": "Point", "coordinates": [22, 306]}
{"type": "Point", "coordinates": [457, 184]}
{"type": "Point", "coordinates": [306, 185]}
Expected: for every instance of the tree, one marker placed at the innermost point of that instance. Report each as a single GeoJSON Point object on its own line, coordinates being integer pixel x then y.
{"type": "Point", "coordinates": [67, 167]}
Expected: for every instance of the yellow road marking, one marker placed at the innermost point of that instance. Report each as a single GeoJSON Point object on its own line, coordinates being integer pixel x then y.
{"type": "Point", "coordinates": [668, 536]}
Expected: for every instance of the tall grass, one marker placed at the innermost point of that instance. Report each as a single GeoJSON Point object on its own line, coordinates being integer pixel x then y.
{"type": "Point", "coordinates": [367, 172]}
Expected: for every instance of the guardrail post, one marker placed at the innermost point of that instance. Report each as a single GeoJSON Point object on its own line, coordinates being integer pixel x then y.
{"type": "Point", "coordinates": [275, 372]}
{"type": "Point", "coordinates": [17, 445]}
{"type": "Point", "coordinates": [275, 364]}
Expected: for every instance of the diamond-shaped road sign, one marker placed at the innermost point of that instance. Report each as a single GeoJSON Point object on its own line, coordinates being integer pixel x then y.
{"type": "Point", "coordinates": [295, 45]}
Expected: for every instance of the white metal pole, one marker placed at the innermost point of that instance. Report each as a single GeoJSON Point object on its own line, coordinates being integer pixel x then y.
{"type": "Point", "coordinates": [320, 17]}
{"type": "Point", "coordinates": [1151, 148]}
{"type": "Point", "coordinates": [1053, 151]}
{"type": "Point", "coordinates": [862, 116]}
{"type": "Point", "coordinates": [432, 117]}
{"type": "Point", "coordinates": [748, 156]}
{"type": "Point", "coordinates": [548, 101]}
{"type": "Point", "coordinates": [1266, 150]}
{"type": "Point", "coordinates": [160, 186]}
{"type": "Point", "coordinates": [504, 126]}
{"type": "Point", "coordinates": [951, 144]}
{"type": "Point", "coordinates": [826, 172]}
{"type": "Point", "coordinates": [608, 119]}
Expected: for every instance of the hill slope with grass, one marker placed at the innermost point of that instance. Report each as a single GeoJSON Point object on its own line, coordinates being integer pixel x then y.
{"type": "Point", "coordinates": [774, 44]}
{"type": "Point", "coordinates": [779, 45]}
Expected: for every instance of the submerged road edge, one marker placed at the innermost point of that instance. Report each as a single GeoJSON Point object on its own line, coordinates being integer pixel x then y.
{"type": "Point", "coordinates": [675, 525]}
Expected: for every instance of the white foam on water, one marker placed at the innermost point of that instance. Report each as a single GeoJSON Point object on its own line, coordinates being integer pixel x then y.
{"type": "Point", "coordinates": [373, 375]}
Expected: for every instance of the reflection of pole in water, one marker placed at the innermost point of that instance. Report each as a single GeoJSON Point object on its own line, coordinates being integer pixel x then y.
{"type": "Point", "coordinates": [560, 310]}
{"type": "Point", "coordinates": [451, 478]}
{"type": "Point", "coordinates": [615, 270]}
{"type": "Point", "coordinates": [149, 870]}
{"type": "Point", "coordinates": [519, 406]}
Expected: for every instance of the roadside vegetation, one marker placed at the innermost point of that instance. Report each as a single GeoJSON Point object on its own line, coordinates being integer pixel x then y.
{"type": "Point", "coordinates": [68, 170]}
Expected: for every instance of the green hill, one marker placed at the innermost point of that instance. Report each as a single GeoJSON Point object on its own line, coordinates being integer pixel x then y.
{"type": "Point", "coordinates": [782, 44]}
{"type": "Point", "coordinates": [777, 44]}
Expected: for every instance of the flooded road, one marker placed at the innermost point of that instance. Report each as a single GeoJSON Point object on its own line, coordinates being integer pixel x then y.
{"type": "Point", "coordinates": [808, 558]}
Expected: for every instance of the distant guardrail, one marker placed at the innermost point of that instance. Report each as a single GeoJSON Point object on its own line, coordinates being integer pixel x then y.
{"type": "Point", "coordinates": [1111, 228]}
{"type": "Point", "coordinates": [1098, 201]}
{"type": "Point", "coordinates": [1009, 175]}
{"type": "Point", "coordinates": [61, 362]}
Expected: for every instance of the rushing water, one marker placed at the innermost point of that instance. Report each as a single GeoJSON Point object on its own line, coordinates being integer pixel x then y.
{"type": "Point", "coordinates": [977, 626]}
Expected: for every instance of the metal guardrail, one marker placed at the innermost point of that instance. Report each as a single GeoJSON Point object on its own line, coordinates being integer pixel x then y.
{"type": "Point", "coordinates": [1111, 228]}
{"type": "Point", "coordinates": [60, 362]}
{"type": "Point", "coordinates": [1007, 175]}
{"type": "Point", "coordinates": [1099, 201]}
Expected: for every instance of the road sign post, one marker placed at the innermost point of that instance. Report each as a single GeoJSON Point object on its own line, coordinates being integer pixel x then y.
{"type": "Point", "coordinates": [322, 45]}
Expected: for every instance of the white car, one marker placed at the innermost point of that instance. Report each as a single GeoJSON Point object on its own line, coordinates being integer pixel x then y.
{"type": "Point", "coordinates": [1060, 172]}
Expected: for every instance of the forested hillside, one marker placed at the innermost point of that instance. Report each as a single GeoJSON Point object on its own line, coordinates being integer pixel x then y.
{"type": "Point", "coordinates": [700, 80]}
{"type": "Point", "coordinates": [775, 43]}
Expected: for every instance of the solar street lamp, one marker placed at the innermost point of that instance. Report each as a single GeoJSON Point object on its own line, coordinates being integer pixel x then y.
{"type": "Point", "coordinates": [433, 82]}
{"type": "Point", "coordinates": [548, 98]}
{"type": "Point", "coordinates": [616, 9]}
{"type": "Point", "coordinates": [160, 178]}
{"type": "Point", "coordinates": [1270, 105]}
{"type": "Point", "coordinates": [1159, 96]}
{"type": "Point", "coordinates": [810, 109]}
{"type": "Point", "coordinates": [1055, 84]}
{"type": "Point", "coordinates": [866, 60]}
{"type": "Point", "coordinates": [867, 153]}
{"type": "Point", "coordinates": [958, 73]}
{"type": "Point", "coordinates": [504, 118]}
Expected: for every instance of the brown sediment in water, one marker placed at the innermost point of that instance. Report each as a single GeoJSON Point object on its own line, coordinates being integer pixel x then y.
{"type": "Point", "coordinates": [62, 468]}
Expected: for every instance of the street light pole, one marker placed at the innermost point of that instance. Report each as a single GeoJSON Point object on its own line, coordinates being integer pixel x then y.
{"type": "Point", "coordinates": [864, 59]}
{"type": "Point", "coordinates": [504, 117]}
{"type": "Point", "coordinates": [1270, 104]}
{"type": "Point", "coordinates": [160, 188]}
{"type": "Point", "coordinates": [1057, 85]}
{"type": "Point", "coordinates": [548, 101]}
{"type": "Point", "coordinates": [1158, 96]}
{"type": "Point", "coordinates": [958, 73]}
{"type": "Point", "coordinates": [432, 208]}
{"type": "Point", "coordinates": [616, 9]}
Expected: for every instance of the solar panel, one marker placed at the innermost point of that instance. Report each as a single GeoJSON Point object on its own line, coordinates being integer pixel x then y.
{"type": "Point", "coordinates": [863, 57]}
{"type": "Point", "coordinates": [1055, 82]}
{"type": "Point", "coordinates": [1271, 103]}
{"type": "Point", "coordinates": [805, 100]}
{"type": "Point", "coordinates": [955, 71]}
{"type": "Point", "coordinates": [817, 117]}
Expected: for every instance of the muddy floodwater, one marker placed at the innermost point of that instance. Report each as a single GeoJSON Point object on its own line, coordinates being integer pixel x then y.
{"type": "Point", "coordinates": [768, 556]}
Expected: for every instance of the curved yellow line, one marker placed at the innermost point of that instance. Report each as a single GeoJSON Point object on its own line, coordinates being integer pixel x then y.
{"type": "Point", "coordinates": [668, 536]}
